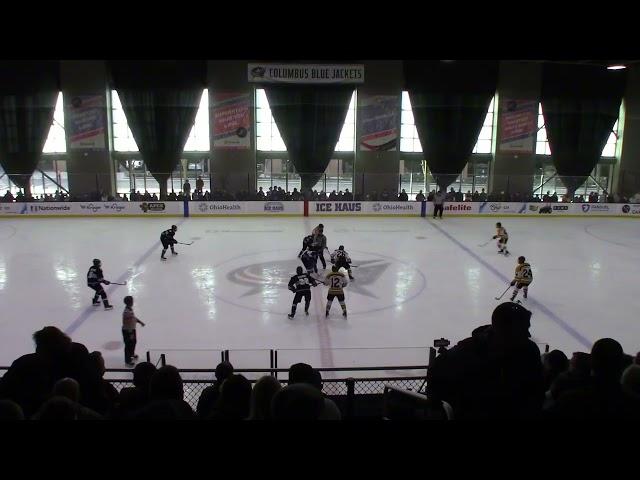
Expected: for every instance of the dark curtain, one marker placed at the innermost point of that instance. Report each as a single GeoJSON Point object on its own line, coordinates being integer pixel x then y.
{"type": "Point", "coordinates": [28, 94]}
{"type": "Point", "coordinates": [449, 102]}
{"type": "Point", "coordinates": [580, 104]}
{"type": "Point", "coordinates": [310, 119]}
{"type": "Point", "coordinates": [160, 100]}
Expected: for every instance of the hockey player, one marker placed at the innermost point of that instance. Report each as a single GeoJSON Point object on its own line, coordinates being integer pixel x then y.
{"type": "Point", "coordinates": [336, 282]}
{"type": "Point", "coordinates": [309, 259]}
{"type": "Point", "coordinates": [307, 243]}
{"type": "Point", "coordinates": [95, 279]}
{"type": "Point", "coordinates": [167, 240]}
{"type": "Point", "coordinates": [523, 278]}
{"type": "Point", "coordinates": [300, 284]}
{"type": "Point", "coordinates": [340, 258]}
{"type": "Point", "coordinates": [320, 243]}
{"type": "Point", "coordinates": [503, 238]}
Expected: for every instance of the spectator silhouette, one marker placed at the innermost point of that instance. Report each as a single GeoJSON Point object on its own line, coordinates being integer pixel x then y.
{"type": "Point", "coordinates": [234, 401]}
{"type": "Point", "coordinates": [209, 396]}
{"type": "Point", "coordinates": [496, 373]}
{"type": "Point", "coordinates": [261, 397]}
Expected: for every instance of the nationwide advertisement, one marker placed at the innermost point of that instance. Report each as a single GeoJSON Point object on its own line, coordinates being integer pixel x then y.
{"type": "Point", "coordinates": [85, 122]}
{"type": "Point", "coordinates": [518, 126]}
{"type": "Point", "coordinates": [304, 73]}
{"type": "Point", "coordinates": [231, 121]}
{"type": "Point", "coordinates": [378, 118]}
{"type": "Point", "coordinates": [104, 208]}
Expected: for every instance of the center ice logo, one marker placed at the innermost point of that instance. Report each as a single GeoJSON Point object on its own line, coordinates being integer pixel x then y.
{"type": "Point", "coordinates": [263, 285]}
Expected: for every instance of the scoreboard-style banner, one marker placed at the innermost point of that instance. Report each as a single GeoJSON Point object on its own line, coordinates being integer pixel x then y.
{"type": "Point", "coordinates": [304, 73]}
{"type": "Point", "coordinates": [378, 116]}
{"type": "Point", "coordinates": [231, 121]}
{"type": "Point", "coordinates": [85, 122]}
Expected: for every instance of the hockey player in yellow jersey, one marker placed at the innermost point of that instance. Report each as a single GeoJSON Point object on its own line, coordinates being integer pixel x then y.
{"type": "Point", "coordinates": [522, 279]}
{"type": "Point", "coordinates": [503, 238]}
{"type": "Point", "coordinates": [336, 281]}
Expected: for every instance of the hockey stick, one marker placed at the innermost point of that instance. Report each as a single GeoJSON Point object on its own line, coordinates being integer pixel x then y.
{"type": "Point", "coordinates": [508, 287]}
{"type": "Point", "coordinates": [116, 283]}
{"type": "Point", "coordinates": [180, 243]}
{"type": "Point", "coordinates": [485, 243]}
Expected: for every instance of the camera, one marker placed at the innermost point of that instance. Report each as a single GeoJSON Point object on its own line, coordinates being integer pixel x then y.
{"type": "Point", "coordinates": [441, 343]}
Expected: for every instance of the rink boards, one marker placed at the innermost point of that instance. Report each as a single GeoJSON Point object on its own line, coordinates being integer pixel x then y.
{"type": "Point", "coordinates": [327, 208]}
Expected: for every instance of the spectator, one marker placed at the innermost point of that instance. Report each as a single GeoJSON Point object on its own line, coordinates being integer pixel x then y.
{"type": "Point", "coordinates": [403, 197]}
{"type": "Point", "coordinates": [297, 402]}
{"type": "Point", "coordinates": [199, 184]}
{"type": "Point", "coordinates": [323, 196]}
{"type": "Point", "coordinates": [97, 394]}
{"type": "Point", "coordinates": [603, 396]}
{"type": "Point", "coordinates": [57, 408]}
{"type": "Point", "coordinates": [172, 196]}
{"type": "Point", "coordinates": [577, 376]}
{"type": "Point", "coordinates": [260, 195]}
{"type": "Point", "coordinates": [631, 381]}
{"type": "Point", "coordinates": [554, 197]}
{"type": "Point", "coordinates": [304, 373]}
{"type": "Point", "coordinates": [261, 397]}
{"type": "Point", "coordinates": [340, 195]}
{"type": "Point", "coordinates": [554, 363]}
{"type": "Point", "coordinates": [142, 375]}
{"type": "Point", "coordinates": [483, 196]}
{"type": "Point", "coordinates": [468, 196]}
{"type": "Point", "coordinates": [348, 196]}
{"type": "Point", "coordinates": [496, 373]}
{"type": "Point", "coordinates": [10, 411]}
{"type": "Point", "coordinates": [459, 197]}
{"type": "Point", "coordinates": [235, 399]}
{"type": "Point", "coordinates": [333, 195]}
{"type": "Point", "coordinates": [209, 396]}
{"type": "Point", "coordinates": [296, 196]}
{"type": "Point", "coordinates": [186, 188]}
{"type": "Point", "coordinates": [420, 197]}
{"type": "Point", "coordinates": [154, 197]}
{"type": "Point", "coordinates": [68, 388]}
{"type": "Point", "coordinates": [385, 196]}
{"type": "Point", "coordinates": [374, 196]}
{"type": "Point", "coordinates": [8, 197]}
{"type": "Point", "coordinates": [431, 195]}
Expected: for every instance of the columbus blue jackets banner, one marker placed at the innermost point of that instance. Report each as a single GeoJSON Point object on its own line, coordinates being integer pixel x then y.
{"type": "Point", "coordinates": [518, 126]}
{"type": "Point", "coordinates": [85, 122]}
{"type": "Point", "coordinates": [378, 115]}
{"type": "Point", "coordinates": [299, 73]}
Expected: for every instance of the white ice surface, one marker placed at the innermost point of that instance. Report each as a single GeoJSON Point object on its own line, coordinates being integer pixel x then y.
{"type": "Point", "coordinates": [417, 280]}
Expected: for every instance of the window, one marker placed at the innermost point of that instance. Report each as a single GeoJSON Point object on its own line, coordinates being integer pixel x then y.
{"type": "Point", "coordinates": [270, 140]}
{"type": "Point", "coordinates": [56, 142]}
{"type": "Point", "coordinates": [410, 142]}
{"type": "Point", "coordinates": [131, 171]}
{"type": "Point", "coordinates": [51, 173]}
{"type": "Point", "coordinates": [123, 140]}
{"type": "Point", "coordinates": [542, 143]}
{"type": "Point", "coordinates": [485, 139]}
{"type": "Point", "coordinates": [273, 167]}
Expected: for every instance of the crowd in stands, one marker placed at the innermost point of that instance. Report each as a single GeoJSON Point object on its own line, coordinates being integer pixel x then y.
{"type": "Point", "coordinates": [496, 373]}
{"type": "Point", "coordinates": [279, 194]}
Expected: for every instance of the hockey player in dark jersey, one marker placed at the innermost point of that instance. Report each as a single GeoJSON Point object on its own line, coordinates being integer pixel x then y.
{"type": "Point", "coordinates": [307, 243]}
{"type": "Point", "coordinates": [95, 279]}
{"type": "Point", "coordinates": [300, 284]}
{"type": "Point", "coordinates": [340, 258]}
{"type": "Point", "coordinates": [309, 259]}
{"type": "Point", "coordinates": [167, 240]}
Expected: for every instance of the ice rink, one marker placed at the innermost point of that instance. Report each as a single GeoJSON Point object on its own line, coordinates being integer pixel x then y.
{"type": "Point", "coordinates": [417, 280]}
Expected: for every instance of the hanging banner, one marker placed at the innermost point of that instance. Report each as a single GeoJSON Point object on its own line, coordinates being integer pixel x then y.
{"type": "Point", "coordinates": [231, 121]}
{"type": "Point", "coordinates": [518, 126]}
{"type": "Point", "coordinates": [85, 122]}
{"type": "Point", "coordinates": [299, 73]}
{"type": "Point", "coordinates": [378, 115]}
